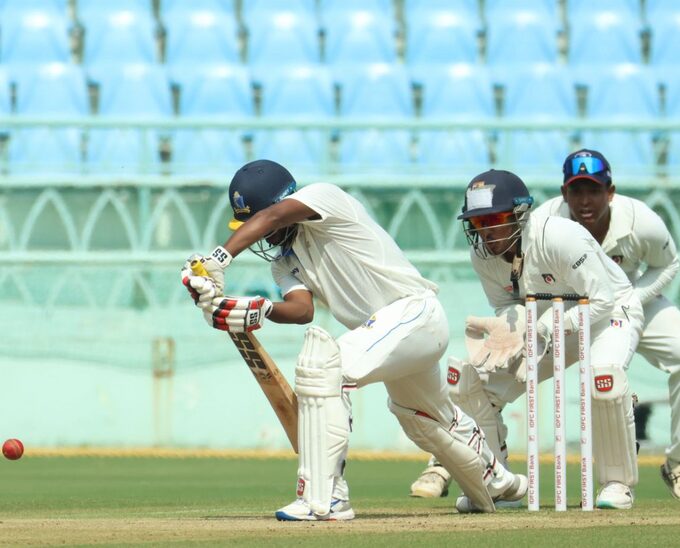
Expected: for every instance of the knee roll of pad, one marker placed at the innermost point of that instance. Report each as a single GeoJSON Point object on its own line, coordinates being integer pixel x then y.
{"type": "Point", "coordinates": [463, 463]}
{"type": "Point", "coordinates": [323, 418]}
{"type": "Point", "coordinates": [613, 426]}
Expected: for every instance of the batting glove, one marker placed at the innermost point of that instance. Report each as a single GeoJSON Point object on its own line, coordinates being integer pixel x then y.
{"type": "Point", "coordinates": [238, 314]}
{"type": "Point", "coordinates": [215, 264]}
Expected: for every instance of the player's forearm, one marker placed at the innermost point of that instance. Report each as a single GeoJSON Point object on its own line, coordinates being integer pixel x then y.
{"type": "Point", "coordinates": [655, 280]}
{"type": "Point", "coordinates": [250, 232]}
{"type": "Point", "coordinates": [291, 312]}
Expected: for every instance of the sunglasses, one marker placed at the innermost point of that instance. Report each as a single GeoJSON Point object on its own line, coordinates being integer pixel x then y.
{"type": "Point", "coordinates": [493, 219]}
{"type": "Point", "coordinates": [585, 164]}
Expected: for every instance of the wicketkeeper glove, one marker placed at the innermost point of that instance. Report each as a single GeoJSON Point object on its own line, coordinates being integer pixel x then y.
{"type": "Point", "coordinates": [492, 342]}
{"type": "Point", "coordinates": [238, 314]}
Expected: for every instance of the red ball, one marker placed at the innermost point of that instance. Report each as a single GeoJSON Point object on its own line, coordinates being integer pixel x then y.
{"type": "Point", "coordinates": [13, 449]}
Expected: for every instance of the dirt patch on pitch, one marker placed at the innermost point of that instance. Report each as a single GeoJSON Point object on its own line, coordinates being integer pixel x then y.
{"type": "Point", "coordinates": [230, 528]}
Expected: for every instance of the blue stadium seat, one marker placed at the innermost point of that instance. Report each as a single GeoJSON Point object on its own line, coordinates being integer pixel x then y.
{"type": "Point", "coordinates": [673, 159]}
{"type": "Point", "coordinates": [224, 6]}
{"type": "Point", "coordinates": [631, 7]}
{"type": "Point", "coordinates": [629, 153]}
{"type": "Point", "coordinates": [600, 35]}
{"type": "Point", "coordinates": [122, 151]}
{"type": "Point", "coordinates": [120, 35]}
{"type": "Point", "coordinates": [215, 89]}
{"type": "Point", "coordinates": [467, 7]}
{"type": "Point", "coordinates": [45, 150]}
{"type": "Point", "coordinates": [282, 36]}
{"type": "Point", "coordinates": [34, 35]}
{"type": "Point", "coordinates": [5, 102]}
{"type": "Point", "coordinates": [665, 37]}
{"type": "Point", "coordinates": [462, 152]}
{"type": "Point", "coordinates": [375, 150]}
{"type": "Point", "coordinates": [207, 151]}
{"type": "Point", "coordinates": [540, 153]}
{"type": "Point", "coordinates": [538, 92]}
{"type": "Point", "coordinates": [459, 90]}
{"type": "Point", "coordinates": [671, 83]}
{"type": "Point", "coordinates": [444, 36]}
{"type": "Point", "coordinates": [201, 37]}
{"type": "Point", "coordinates": [635, 96]}
{"type": "Point", "coordinates": [521, 35]}
{"type": "Point", "coordinates": [359, 36]}
{"type": "Point", "coordinates": [55, 89]}
{"type": "Point", "coordinates": [531, 5]}
{"type": "Point", "coordinates": [302, 151]}
{"type": "Point", "coordinates": [377, 6]}
{"type": "Point", "coordinates": [375, 90]}
{"type": "Point", "coordinates": [299, 7]}
{"type": "Point", "coordinates": [23, 5]}
{"type": "Point", "coordinates": [297, 90]}
{"type": "Point", "coordinates": [132, 90]}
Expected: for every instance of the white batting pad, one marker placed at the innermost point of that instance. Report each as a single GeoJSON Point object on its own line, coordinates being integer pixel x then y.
{"type": "Point", "coordinates": [323, 418]}
{"type": "Point", "coordinates": [467, 392]}
{"type": "Point", "coordinates": [613, 427]}
{"type": "Point", "coordinates": [459, 456]}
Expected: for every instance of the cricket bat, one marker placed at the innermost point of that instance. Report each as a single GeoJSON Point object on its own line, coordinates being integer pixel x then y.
{"type": "Point", "coordinates": [274, 385]}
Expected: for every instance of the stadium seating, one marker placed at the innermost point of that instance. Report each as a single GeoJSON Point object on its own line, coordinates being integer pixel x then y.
{"type": "Point", "coordinates": [301, 151]}
{"type": "Point", "coordinates": [34, 35]}
{"type": "Point", "coordinates": [351, 35]}
{"type": "Point", "coordinates": [534, 153]}
{"type": "Point", "coordinates": [629, 153]}
{"type": "Point", "coordinates": [225, 6]}
{"type": "Point", "coordinates": [50, 151]}
{"type": "Point", "coordinates": [297, 91]}
{"type": "Point", "coordinates": [375, 90]}
{"type": "Point", "coordinates": [282, 36]}
{"type": "Point", "coordinates": [299, 7]}
{"type": "Point", "coordinates": [206, 152]}
{"type": "Point", "coordinates": [457, 91]}
{"type": "Point", "coordinates": [214, 90]}
{"type": "Point", "coordinates": [374, 150]}
{"type": "Point", "coordinates": [454, 152]}
{"type": "Point", "coordinates": [122, 151]}
{"type": "Point", "coordinates": [51, 89]}
{"type": "Point", "coordinates": [665, 34]}
{"type": "Point", "coordinates": [442, 36]}
{"type": "Point", "coordinates": [200, 36]}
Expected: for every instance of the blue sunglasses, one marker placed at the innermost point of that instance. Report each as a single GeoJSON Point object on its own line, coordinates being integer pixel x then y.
{"type": "Point", "coordinates": [586, 164]}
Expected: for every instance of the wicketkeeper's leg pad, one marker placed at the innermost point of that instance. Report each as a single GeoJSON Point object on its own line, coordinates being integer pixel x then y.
{"type": "Point", "coordinates": [459, 456]}
{"type": "Point", "coordinates": [613, 426]}
{"type": "Point", "coordinates": [323, 419]}
{"type": "Point", "coordinates": [467, 392]}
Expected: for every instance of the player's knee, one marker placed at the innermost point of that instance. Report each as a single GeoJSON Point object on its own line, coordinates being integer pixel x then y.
{"type": "Point", "coordinates": [609, 383]}
{"type": "Point", "coordinates": [318, 372]}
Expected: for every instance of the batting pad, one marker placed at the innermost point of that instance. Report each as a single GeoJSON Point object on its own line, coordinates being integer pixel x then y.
{"type": "Point", "coordinates": [461, 460]}
{"type": "Point", "coordinates": [323, 418]}
{"type": "Point", "coordinates": [467, 392]}
{"type": "Point", "coordinates": [613, 426]}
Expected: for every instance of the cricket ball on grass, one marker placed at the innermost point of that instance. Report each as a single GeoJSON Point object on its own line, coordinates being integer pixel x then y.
{"type": "Point", "coordinates": [13, 449]}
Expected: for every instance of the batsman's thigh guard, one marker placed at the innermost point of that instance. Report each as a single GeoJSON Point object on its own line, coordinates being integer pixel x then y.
{"type": "Point", "coordinates": [613, 426]}
{"type": "Point", "coordinates": [458, 455]}
{"type": "Point", "coordinates": [467, 392]}
{"type": "Point", "coordinates": [323, 419]}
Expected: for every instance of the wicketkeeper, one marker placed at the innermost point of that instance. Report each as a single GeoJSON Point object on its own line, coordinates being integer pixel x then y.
{"type": "Point", "coordinates": [636, 239]}
{"type": "Point", "coordinates": [514, 254]}
{"type": "Point", "coordinates": [323, 244]}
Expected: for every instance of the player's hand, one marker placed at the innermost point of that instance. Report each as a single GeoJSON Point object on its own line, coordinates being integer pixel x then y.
{"type": "Point", "coordinates": [518, 365]}
{"type": "Point", "coordinates": [238, 314]}
{"type": "Point", "coordinates": [215, 264]}
{"type": "Point", "coordinates": [492, 342]}
{"type": "Point", "coordinates": [201, 289]}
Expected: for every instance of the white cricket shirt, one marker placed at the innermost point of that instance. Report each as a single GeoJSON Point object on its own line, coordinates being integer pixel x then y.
{"type": "Point", "coordinates": [560, 256]}
{"type": "Point", "coordinates": [346, 259]}
{"type": "Point", "coordinates": [637, 240]}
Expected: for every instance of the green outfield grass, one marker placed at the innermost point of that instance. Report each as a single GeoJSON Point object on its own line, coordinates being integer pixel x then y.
{"type": "Point", "coordinates": [211, 501]}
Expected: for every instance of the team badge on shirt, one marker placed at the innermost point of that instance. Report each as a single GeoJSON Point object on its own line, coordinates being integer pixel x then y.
{"type": "Point", "coordinates": [618, 259]}
{"type": "Point", "coordinates": [368, 324]}
{"type": "Point", "coordinates": [548, 278]}
{"type": "Point", "coordinates": [616, 323]}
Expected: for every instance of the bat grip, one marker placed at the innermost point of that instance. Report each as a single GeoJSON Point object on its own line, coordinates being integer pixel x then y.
{"type": "Point", "coordinates": [198, 269]}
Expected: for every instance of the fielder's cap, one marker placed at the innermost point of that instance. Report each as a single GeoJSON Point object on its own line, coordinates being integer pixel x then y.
{"type": "Point", "coordinates": [495, 191]}
{"type": "Point", "coordinates": [587, 164]}
{"type": "Point", "coordinates": [255, 187]}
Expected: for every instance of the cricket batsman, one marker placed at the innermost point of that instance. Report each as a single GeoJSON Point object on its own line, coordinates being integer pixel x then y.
{"type": "Point", "coordinates": [323, 244]}
{"type": "Point", "coordinates": [514, 254]}
{"type": "Point", "coordinates": [636, 239]}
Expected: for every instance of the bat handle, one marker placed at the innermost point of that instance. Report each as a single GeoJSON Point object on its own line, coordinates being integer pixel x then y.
{"type": "Point", "coordinates": [198, 269]}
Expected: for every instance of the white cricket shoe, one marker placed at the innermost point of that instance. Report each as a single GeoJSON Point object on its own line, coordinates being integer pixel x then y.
{"type": "Point", "coordinates": [510, 498]}
{"type": "Point", "coordinates": [616, 496]}
{"type": "Point", "coordinates": [670, 472]}
{"type": "Point", "coordinates": [433, 482]}
{"type": "Point", "coordinates": [299, 510]}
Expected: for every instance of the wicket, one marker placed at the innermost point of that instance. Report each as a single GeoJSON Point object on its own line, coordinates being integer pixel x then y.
{"type": "Point", "coordinates": [586, 438]}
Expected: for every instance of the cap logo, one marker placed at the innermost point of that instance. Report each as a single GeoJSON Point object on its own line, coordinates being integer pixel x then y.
{"type": "Point", "coordinates": [479, 195]}
{"type": "Point", "coordinates": [239, 204]}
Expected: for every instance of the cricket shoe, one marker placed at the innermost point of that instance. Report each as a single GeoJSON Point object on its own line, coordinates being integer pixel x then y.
{"type": "Point", "coordinates": [299, 510]}
{"type": "Point", "coordinates": [670, 472]}
{"type": "Point", "coordinates": [433, 482]}
{"type": "Point", "coordinates": [510, 498]}
{"type": "Point", "coordinates": [615, 496]}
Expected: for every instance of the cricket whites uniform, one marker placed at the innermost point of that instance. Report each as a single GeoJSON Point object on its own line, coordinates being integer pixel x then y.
{"type": "Point", "coordinates": [561, 256]}
{"type": "Point", "coordinates": [639, 242]}
{"type": "Point", "coordinates": [397, 333]}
